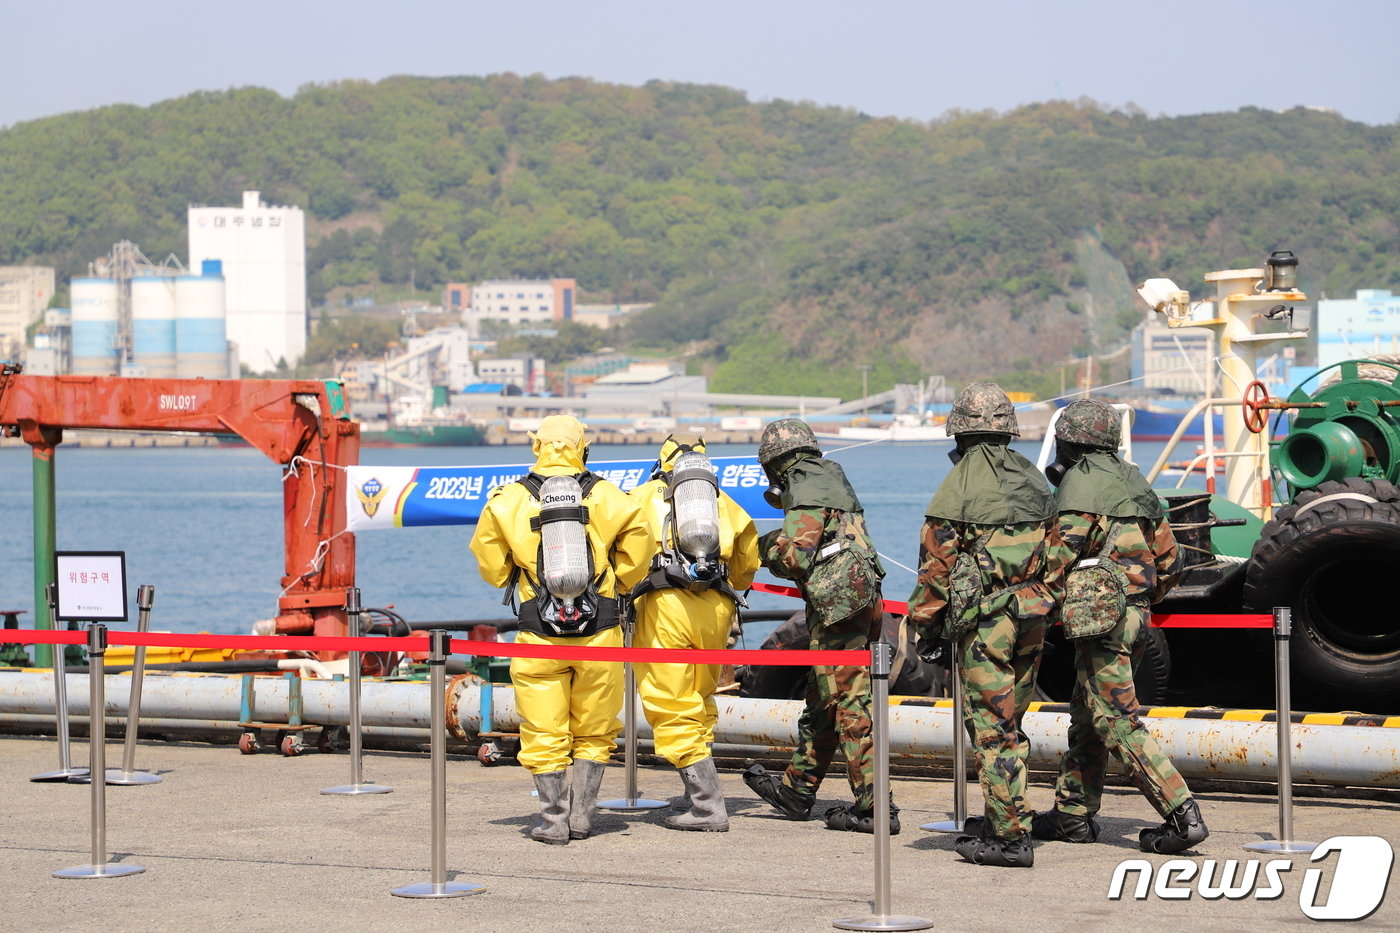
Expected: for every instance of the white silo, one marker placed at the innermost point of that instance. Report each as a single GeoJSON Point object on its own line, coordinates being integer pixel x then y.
{"type": "Point", "coordinates": [201, 338]}
{"type": "Point", "coordinates": [95, 311]}
{"type": "Point", "coordinates": [153, 324]}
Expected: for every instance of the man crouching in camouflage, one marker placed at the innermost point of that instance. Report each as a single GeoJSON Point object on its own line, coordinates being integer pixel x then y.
{"type": "Point", "coordinates": [1128, 559]}
{"type": "Point", "coordinates": [824, 548]}
{"type": "Point", "coordinates": [986, 556]}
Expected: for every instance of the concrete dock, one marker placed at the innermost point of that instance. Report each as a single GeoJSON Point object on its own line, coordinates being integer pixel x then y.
{"type": "Point", "coordinates": [249, 843]}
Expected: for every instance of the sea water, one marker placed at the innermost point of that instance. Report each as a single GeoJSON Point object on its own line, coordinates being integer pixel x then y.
{"type": "Point", "coordinates": [204, 526]}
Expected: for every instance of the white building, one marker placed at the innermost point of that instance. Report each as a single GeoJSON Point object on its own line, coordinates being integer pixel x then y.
{"type": "Point", "coordinates": [538, 303]}
{"type": "Point", "coordinates": [1174, 358]}
{"type": "Point", "coordinates": [25, 291]}
{"type": "Point", "coordinates": [1351, 328]}
{"type": "Point", "coordinates": [263, 250]}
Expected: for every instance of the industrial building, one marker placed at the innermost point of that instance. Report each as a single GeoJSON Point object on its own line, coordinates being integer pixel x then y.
{"type": "Point", "coordinates": [262, 249]}
{"type": "Point", "coordinates": [1172, 358]}
{"type": "Point", "coordinates": [25, 291]}
{"type": "Point", "coordinates": [1350, 328]}
{"type": "Point", "coordinates": [515, 303]}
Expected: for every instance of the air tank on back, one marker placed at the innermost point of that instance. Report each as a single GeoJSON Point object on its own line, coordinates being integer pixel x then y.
{"type": "Point", "coordinates": [564, 552]}
{"type": "Point", "coordinates": [201, 338]}
{"type": "Point", "coordinates": [95, 311]}
{"type": "Point", "coordinates": [695, 492]}
{"type": "Point", "coordinates": [153, 324]}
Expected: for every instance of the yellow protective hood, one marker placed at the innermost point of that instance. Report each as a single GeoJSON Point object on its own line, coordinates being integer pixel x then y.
{"type": "Point", "coordinates": [675, 445]}
{"type": "Point", "coordinates": [559, 446]}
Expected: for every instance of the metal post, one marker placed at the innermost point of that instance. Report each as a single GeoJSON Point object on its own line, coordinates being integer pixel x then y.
{"type": "Point", "coordinates": [357, 784]}
{"type": "Point", "coordinates": [1283, 633]}
{"type": "Point", "coordinates": [881, 662]}
{"type": "Point", "coordinates": [60, 701]}
{"type": "Point", "coordinates": [955, 825]}
{"type": "Point", "coordinates": [631, 802]}
{"type": "Point", "coordinates": [439, 886]}
{"type": "Point", "coordinates": [128, 775]}
{"type": "Point", "coordinates": [97, 761]}
{"type": "Point", "coordinates": [45, 536]}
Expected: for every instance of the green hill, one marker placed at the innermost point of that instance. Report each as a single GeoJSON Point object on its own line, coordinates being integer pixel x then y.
{"type": "Point", "coordinates": [783, 243]}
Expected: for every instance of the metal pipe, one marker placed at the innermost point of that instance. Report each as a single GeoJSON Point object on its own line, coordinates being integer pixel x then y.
{"type": "Point", "coordinates": [60, 699]}
{"type": "Point", "coordinates": [439, 886]}
{"type": "Point", "coordinates": [632, 802]}
{"type": "Point", "coordinates": [357, 783]}
{"type": "Point", "coordinates": [128, 775]}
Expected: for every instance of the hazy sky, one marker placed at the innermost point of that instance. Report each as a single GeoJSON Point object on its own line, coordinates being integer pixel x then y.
{"type": "Point", "coordinates": [883, 57]}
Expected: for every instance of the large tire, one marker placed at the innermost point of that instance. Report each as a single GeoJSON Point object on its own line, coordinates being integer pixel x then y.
{"type": "Point", "coordinates": [1152, 670]}
{"type": "Point", "coordinates": [1330, 557]}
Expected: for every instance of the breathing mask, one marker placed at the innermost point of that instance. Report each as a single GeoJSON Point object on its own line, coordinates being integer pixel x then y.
{"type": "Point", "coordinates": [1067, 454]}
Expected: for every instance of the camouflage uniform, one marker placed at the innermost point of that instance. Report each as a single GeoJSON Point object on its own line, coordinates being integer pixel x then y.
{"type": "Point", "coordinates": [843, 614]}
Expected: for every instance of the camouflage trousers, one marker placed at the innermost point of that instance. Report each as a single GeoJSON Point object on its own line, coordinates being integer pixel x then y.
{"type": "Point", "coordinates": [838, 711]}
{"type": "Point", "coordinates": [1104, 718]}
{"type": "Point", "coordinates": [998, 661]}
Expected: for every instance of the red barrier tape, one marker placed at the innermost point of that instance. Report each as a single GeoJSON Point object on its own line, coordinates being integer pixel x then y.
{"type": "Point", "coordinates": [1169, 620]}
{"type": "Point", "coordinates": [419, 644]}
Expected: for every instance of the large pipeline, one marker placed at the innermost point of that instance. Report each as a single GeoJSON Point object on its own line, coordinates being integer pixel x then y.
{"type": "Point", "coordinates": [1201, 748]}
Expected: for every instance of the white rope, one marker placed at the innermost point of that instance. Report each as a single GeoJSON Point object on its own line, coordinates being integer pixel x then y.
{"type": "Point", "coordinates": [317, 560]}
{"type": "Point", "coordinates": [897, 563]}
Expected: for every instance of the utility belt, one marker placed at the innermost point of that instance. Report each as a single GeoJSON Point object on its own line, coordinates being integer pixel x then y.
{"type": "Point", "coordinates": [671, 575]}
{"type": "Point", "coordinates": [606, 614]}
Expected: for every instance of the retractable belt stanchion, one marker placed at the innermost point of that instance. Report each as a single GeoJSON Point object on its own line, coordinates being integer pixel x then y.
{"type": "Point", "coordinates": [1283, 633]}
{"type": "Point", "coordinates": [127, 775]}
{"type": "Point", "coordinates": [439, 886]}
{"type": "Point", "coordinates": [629, 714]}
{"type": "Point", "coordinates": [881, 661]}
{"type": "Point", "coordinates": [955, 825]}
{"type": "Point", "coordinates": [357, 783]}
{"type": "Point", "coordinates": [97, 761]}
{"type": "Point", "coordinates": [60, 701]}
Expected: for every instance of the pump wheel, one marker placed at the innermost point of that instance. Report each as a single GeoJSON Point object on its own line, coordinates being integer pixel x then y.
{"type": "Point", "coordinates": [1330, 557]}
{"type": "Point", "coordinates": [1256, 417]}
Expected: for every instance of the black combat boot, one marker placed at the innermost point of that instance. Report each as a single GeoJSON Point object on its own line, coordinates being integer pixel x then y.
{"type": "Point", "coordinates": [849, 819]}
{"type": "Point", "coordinates": [771, 788]}
{"type": "Point", "coordinates": [1059, 826]}
{"type": "Point", "coordinates": [986, 849]}
{"type": "Point", "coordinates": [1183, 829]}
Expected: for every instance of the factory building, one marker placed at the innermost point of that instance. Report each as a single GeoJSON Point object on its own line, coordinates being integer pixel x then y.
{"type": "Point", "coordinates": [536, 303]}
{"type": "Point", "coordinates": [1351, 328]}
{"type": "Point", "coordinates": [262, 249]}
{"type": "Point", "coordinates": [25, 291]}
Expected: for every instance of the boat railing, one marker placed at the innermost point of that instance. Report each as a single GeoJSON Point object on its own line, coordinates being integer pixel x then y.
{"type": "Point", "coordinates": [1204, 457]}
{"type": "Point", "coordinates": [1170, 447]}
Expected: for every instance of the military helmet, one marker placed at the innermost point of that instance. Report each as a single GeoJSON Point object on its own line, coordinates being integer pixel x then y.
{"type": "Point", "coordinates": [783, 437]}
{"type": "Point", "coordinates": [1090, 422]}
{"type": "Point", "coordinates": [982, 408]}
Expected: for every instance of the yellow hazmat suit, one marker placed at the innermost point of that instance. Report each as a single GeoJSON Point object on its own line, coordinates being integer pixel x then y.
{"type": "Point", "coordinates": [679, 698]}
{"type": "Point", "coordinates": [568, 709]}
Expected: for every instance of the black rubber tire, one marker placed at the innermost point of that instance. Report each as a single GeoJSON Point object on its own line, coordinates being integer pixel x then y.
{"type": "Point", "coordinates": [1152, 671]}
{"type": "Point", "coordinates": [1331, 561]}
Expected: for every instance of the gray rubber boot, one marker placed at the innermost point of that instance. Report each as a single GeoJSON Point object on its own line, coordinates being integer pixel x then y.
{"type": "Point", "coordinates": [707, 813]}
{"type": "Point", "coordinates": [587, 778]}
{"type": "Point", "coordinates": [553, 827]}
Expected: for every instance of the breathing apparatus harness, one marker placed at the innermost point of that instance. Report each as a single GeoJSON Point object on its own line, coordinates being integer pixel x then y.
{"type": "Point", "coordinates": [548, 614]}
{"type": "Point", "coordinates": [670, 567]}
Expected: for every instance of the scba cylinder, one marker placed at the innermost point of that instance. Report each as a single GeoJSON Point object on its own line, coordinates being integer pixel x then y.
{"type": "Point", "coordinates": [564, 562]}
{"type": "Point", "coordinates": [695, 492]}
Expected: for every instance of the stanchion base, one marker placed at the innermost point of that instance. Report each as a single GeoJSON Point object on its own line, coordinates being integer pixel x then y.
{"type": "Point", "coordinates": [118, 778]}
{"type": "Point", "coordinates": [882, 922]}
{"type": "Point", "coordinates": [1280, 845]}
{"type": "Point", "coordinates": [446, 889]}
{"type": "Point", "coordinates": [632, 804]}
{"type": "Point", "coordinates": [944, 826]}
{"type": "Point", "coordinates": [350, 790]}
{"type": "Point", "coordinates": [108, 870]}
{"type": "Point", "coordinates": [61, 775]}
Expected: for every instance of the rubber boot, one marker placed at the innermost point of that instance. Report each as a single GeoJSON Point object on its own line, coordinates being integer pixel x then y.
{"type": "Point", "coordinates": [553, 827]}
{"type": "Point", "coordinates": [1183, 829]}
{"type": "Point", "coordinates": [587, 778]}
{"type": "Point", "coordinates": [707, 813]}
{"type": "Point", "coordinates": [848, 819]}
{"type": "Point", "coordinates": [1058, 826]}
{"type": "Point", "coordinates": [986, 849]}
{"type": "Point", "coordinates": [771, 788]}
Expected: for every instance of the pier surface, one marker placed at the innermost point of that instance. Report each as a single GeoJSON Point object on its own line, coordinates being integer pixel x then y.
{"type": "Point", "coordinates": [249, 843]}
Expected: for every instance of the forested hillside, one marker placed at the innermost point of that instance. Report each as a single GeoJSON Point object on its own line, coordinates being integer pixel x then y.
{"type": "Point", "coordinates": [785, 244]}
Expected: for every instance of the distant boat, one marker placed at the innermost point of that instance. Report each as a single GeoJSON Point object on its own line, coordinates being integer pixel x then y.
{"type": "Point", "coordinates": [425, 433]}
{"type": "Point", "coordinates": [901, 431]}
{"type": "Point", "coordinates": [1158, 424]}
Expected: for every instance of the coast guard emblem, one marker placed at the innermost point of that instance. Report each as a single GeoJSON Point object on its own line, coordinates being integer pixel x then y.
{"type": "Point", "coordinates": [371, 492]}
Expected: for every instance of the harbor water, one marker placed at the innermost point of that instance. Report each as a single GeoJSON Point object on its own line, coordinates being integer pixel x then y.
{"type": "Point", "coordinates": [204, 526]}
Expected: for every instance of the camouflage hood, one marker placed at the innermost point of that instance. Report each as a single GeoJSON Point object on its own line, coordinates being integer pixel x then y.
{"type": "Point", "coordinates": [813, 483]}
{"type": "Point", "coordinates": [993, 485]}
{"type": "Point", "coordinates": [1101, 484]}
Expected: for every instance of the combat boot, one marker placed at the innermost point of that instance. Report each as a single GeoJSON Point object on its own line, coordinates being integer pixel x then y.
{"type": "Point", "coordinates": [707, 813]}
{"type": "Point", "coordinates": [587, 778]}
{"type": "Point", "coordinates": [986, 849]}
{"type": "Point", "coordinates": [1183, 829]}
{"type": "Point", "coordinates": [771, 788]}
{"type": "Point", "coordinates": [849, 819]}
{"type": "Point", "coordinates": [1059, 826]}
{"type": "Point", "coordinates": [553, 827]}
